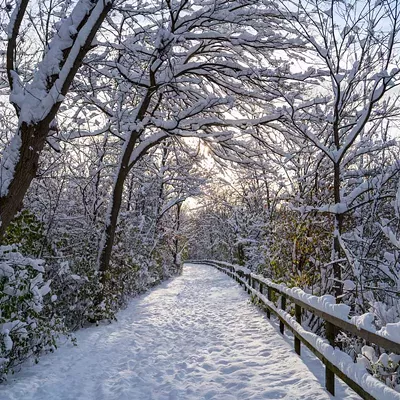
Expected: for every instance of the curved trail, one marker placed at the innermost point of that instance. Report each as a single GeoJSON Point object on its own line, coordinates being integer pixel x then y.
{"type": "Point", "coordinates": [194, 337]}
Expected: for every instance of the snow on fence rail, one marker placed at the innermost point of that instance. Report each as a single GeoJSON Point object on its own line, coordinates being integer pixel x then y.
{"type": "Point", "coordinates": [335, 316]}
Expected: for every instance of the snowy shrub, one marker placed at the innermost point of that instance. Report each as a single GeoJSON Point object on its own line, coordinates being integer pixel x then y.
{"type": "Point", "coordinates": [138, 262]}
{"type": "Point", "coordinates": [132, 273]}
{"type": "Point", "coordinates": [386, 367]}
{"type": "Point", "coordinates": [76, 292]}
{"type": "Point", "coordinates": [28, 232]}
{"type": "Point", "coordinates": [385, 313]}
{"type": "Point", "coordinates": [26, 329]}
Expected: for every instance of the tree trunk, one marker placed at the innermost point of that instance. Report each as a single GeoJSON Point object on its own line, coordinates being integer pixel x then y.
{"type": "Point", "coordinates": [115, 206]}
{"type": "Point", "coordinates": [176, 238]}
{"type": "Point", "coordinates": [33, 138]}
{"type": "Point", "coordinates": [338, 228]}
{"type": "Point", "coordinates": [125, 166]}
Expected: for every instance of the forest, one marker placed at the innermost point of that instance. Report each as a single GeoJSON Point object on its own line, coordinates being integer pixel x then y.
{"type": "Point", "coordinates": [137, 134]}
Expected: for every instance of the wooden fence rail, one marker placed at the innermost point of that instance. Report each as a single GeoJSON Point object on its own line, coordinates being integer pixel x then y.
{"type": "Point", "coordinates": [257, 286]}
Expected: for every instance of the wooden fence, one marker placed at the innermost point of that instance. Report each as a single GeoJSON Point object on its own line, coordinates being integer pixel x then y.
{"type": "Point", "coordinates": [258, 287]}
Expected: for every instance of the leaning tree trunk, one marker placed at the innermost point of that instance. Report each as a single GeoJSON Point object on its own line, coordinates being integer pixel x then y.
{"type": "Point", "coordinates": [20, 158]}
{"type": "Point", "coordinates": [33, 139]}
{"type": "Point", "coordinates": [125, 165]}
{"type": "Point", "coordinates": [114, 208]}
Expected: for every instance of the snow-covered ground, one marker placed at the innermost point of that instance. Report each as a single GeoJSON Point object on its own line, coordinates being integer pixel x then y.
{"type": "Point", "coordinates": [194, 337]}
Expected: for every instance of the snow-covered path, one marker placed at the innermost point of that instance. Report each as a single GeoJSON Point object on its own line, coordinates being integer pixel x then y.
{"type": "Point", "coordinates": [194, 337]}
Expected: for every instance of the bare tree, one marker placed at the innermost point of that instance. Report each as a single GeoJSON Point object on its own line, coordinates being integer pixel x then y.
{"type": "Point", "coordinates": [355, 47]}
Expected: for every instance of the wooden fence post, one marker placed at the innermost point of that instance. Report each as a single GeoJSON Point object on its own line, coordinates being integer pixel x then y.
{"type": "Point", "coordinates": [260, 287]}
{"type": "Point", "coordinates": [249, 282]}
{"type": "Point", "coordinates": [329, 375]}
{"type": "Point", "coordinates": [283, 307]}
{"type": "Point", "coordinates": [297, 312]}
{"type": "Point", "coordinates": [269, 296]}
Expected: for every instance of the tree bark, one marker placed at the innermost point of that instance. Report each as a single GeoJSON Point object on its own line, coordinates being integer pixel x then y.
{"type": "Point", "coordinates": [176, 238]}
{"type": "Point", "coordinates": [338, 228]}
{"type": "Point", "coordinates": [33, 139]}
